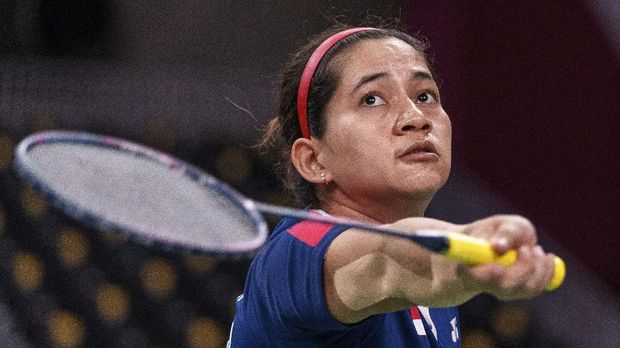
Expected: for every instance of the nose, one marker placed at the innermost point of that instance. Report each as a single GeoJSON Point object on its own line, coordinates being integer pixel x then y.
{"type": "Point", "coordinates": [412, 120]}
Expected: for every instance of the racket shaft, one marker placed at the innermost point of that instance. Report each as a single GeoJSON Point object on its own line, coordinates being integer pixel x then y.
{"type": "Point", "coordinates": [458, 247]}
{"type": "Point", "coordinates": [433, 240]}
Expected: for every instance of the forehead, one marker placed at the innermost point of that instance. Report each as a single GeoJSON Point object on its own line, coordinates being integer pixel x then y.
{"type": "Point", "coordinates": [371, 55]}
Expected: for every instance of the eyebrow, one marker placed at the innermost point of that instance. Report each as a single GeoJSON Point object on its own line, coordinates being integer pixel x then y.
{"type": "Point", "coordinates": [418, 75]}
{"type": "Point", "coordinates": [422, 75]}
{"type": "Point", "coordinates": [369, 78]}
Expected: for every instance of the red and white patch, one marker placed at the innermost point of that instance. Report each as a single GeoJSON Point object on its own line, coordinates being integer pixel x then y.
{"type": "Point", "coordinates": [417, 321]}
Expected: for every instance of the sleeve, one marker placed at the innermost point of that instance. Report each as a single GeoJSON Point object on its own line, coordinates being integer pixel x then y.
{"type": "Point", "coordinates": [292, 278]}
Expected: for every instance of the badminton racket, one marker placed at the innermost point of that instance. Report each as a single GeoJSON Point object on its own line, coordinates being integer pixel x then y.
{"type": "Point", "coordinates": [160, 201]}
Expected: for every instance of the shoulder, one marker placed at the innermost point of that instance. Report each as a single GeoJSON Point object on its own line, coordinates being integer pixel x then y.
{"type": "Point", "coordinates": [303, 233]}
{"type": "Point", "coordinates": [284, 285]}
{"type": "Point", "coordinates": [297, 247]}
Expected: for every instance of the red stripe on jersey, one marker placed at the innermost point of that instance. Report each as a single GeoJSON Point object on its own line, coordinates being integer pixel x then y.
{"type": "Point", "coordinates": [415, 313]}
{"type": "Point", "coordinates": [310, 232]}
{"type": "Point", "coordinates": [418, 325]}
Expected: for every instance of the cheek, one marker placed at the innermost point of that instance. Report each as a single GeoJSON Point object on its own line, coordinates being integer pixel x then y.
{"type": "Point", "coordinates": [344, 140]}
{"type": "Point", "coordinates": [345, 151]}
{"type": "Point", "coordinates": [443, 132]}
{"type": "Point", "coordinates": [351, 156]}
{"type": "Point", "coordinates": [446, 141]}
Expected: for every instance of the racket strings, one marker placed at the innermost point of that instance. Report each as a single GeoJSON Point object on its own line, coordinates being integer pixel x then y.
{"type": "Point", "coordinates": [142, 194]}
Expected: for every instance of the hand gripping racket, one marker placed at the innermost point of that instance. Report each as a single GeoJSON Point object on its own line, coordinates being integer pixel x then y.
{"type": "Point", "coordinates": [157, 200]}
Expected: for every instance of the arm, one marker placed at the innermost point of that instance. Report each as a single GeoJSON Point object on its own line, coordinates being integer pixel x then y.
{"type": "Point", "coordinates": [367, 273]}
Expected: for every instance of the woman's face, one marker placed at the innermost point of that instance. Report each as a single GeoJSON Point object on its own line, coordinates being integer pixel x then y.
{"type": "Point", "coordinates": [387, 135]}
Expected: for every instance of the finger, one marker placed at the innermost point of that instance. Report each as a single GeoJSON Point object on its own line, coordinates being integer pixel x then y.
{"type": "Point", "coordinates": [500, 244]}
{"type": "Point", "coordinates": [543, 272]}
{"type": "Point", "coordinates": [527, 230]}
{"type": "Point", "coordinates": [517, 275]}
{"type": "Point", "coordinates": [512, 234]}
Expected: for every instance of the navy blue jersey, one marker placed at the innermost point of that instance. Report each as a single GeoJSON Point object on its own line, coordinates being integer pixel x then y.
{"type": "Point", "coordinates": [283, 304]}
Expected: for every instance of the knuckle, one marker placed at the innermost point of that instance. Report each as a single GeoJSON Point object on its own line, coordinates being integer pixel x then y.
{"type": "Point", "coordinates": [525, 228]}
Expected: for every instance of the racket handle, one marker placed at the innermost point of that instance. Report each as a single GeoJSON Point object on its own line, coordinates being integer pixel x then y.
{"type": "Point", "coordinates": [475, 251]}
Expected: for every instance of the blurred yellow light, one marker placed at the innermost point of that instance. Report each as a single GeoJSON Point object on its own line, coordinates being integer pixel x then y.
{"type": "Point", "coordinates": [204, 333]}
{"type": "Point", "coordinates": [158, 278]}
{"type": "Point", "coordinates": [66, 330]}
{"type": "Point", "coordinates": [33, 204]}
{"type": "Point", "coordinates": [234, 164]}
{"type": "Point", "coordinates": [510, 321]}
{"type": "Point", "coordinates": [112, 302]}
{"type": "Point", "coordinates": [199, 263]}
{"type": "Point", "coordinates": [28, 271]}
{"type": "Point", "coordinates": [6, 152]}
{"type": "Point", "coordinates": [73, 247]}
{"type": "Point", "coordinates": [477, 339]}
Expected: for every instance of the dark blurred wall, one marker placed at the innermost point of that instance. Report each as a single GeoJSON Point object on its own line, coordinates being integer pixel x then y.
{"type": "Point", "coordinates": [196, 66]}
{"type": "Point", "coordinates": [75, 26]}
{"type": "Point", "coordinates": [533, 91]}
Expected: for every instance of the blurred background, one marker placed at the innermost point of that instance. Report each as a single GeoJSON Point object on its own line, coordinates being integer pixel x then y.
{"type": "Point", "coordinates": [532, 88]}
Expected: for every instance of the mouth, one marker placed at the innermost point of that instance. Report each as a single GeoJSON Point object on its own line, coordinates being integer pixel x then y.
{"type": "Point", "coordinates": [420, 151]}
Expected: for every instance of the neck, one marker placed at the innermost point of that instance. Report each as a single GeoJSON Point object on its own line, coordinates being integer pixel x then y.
{"type": "Point", "coordinates": [387, 210]}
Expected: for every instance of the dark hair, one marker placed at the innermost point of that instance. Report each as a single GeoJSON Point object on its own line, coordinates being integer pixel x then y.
{"type": "Point", "coordinates": [283, 130]}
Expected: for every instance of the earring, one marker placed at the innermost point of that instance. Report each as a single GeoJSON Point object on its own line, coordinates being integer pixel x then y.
{"type": "Point", "coordinates": [324, 178]}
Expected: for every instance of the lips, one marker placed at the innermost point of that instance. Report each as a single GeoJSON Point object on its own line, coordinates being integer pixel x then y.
{"type": "Point", "coordinates": [420, 151]}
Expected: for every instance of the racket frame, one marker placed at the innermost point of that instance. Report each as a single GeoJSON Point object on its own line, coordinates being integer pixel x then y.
{"type": "Point", "coordinates": [26, 170]}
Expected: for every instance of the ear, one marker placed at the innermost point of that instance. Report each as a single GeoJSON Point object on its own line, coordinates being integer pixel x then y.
{"type": "Point", "coordinates": [304, 155]}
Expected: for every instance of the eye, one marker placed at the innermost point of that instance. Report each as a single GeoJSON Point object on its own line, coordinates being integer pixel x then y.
{"type": "Point", "coordinates": [373, 100]}
{"type": "Point", "coordinates": [427, 98]}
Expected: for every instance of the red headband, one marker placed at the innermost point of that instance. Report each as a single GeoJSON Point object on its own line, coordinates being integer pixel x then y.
{"type": "Point", "coordinates": [306, 77]}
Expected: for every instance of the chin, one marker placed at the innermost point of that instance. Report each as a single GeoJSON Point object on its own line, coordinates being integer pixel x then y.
{"type": "Point", "coordinates": [423, 193]}
{"type": "Point", "coordinates": [425, 184]}
{"type": "Point", "coordinates": [415, 193]}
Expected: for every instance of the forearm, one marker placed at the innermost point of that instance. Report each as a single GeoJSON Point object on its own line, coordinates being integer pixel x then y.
{"type": "Point", "coordinates": [382, 274]}
{"type": "Point", "coordinates": [422, 277]}
{"type": "Point", "coordinates": [443, 286]}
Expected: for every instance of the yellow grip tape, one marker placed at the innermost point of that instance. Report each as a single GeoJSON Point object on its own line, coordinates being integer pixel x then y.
{"type": "Point", "coordinates": [475, 251]}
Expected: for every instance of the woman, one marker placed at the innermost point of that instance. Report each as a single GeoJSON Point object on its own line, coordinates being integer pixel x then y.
{"type": "Point", "coordinates": [363, 135]}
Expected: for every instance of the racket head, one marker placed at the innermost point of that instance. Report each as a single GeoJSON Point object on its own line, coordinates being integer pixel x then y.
{"type": "Point", "coordinates": [111, 184]}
